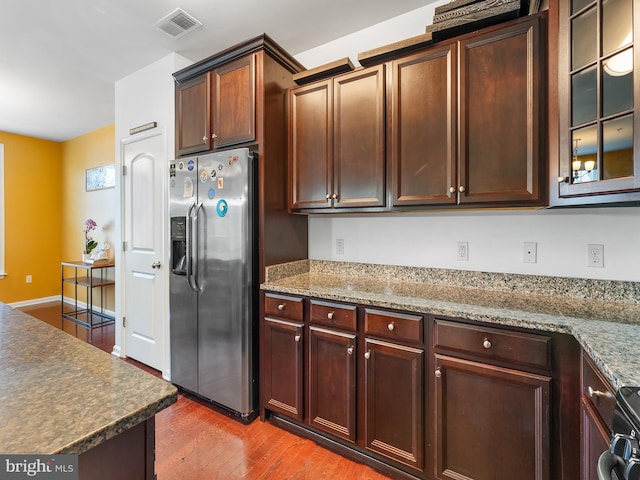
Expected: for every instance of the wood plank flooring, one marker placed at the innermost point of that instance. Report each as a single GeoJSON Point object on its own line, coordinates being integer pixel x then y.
{"type": "Point", "coordinates": [195, 442]}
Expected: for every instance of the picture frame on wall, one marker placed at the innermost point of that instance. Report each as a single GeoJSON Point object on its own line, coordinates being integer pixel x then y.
{"type": "Point", "coordinates": [99, 178]}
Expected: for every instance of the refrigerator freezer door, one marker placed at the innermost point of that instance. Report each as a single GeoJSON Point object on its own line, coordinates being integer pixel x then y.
{"type": "Point", "coordinates": [183, 300]}
{"type": "Point", "coordinates": [225, 231]}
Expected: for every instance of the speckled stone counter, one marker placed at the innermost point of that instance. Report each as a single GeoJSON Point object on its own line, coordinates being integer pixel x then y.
{"type": "Point", "coordinates": [604, 316]}
{"type": "Point", "coordinates": [59, 394]}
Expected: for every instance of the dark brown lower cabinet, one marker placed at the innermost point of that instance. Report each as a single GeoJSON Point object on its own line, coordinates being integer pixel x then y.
{"type": "Point", "coordinates": [394, 401]}
{"type": "Point", "coordinates": [595, 440]}
{"type": "Point", "coordinates": [491, 422]}
{"type": "Point", "coordinates": [332, 382]}
{"type": "Point", "coordinates": [283, 367]}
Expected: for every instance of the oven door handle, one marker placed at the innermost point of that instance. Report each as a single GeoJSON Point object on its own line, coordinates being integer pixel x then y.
{"type": "Point", "coordinates": [606, 464]}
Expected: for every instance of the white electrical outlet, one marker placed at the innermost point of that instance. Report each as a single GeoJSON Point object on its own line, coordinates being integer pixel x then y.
{"type": "Point", "coordinates": [529, 252]}
{"type": "Point", "coordinates": [595, 255]}
{"type": "Point", "coordinates": [339, 246]}
{"type": "Point", "coordinates": [29, 279]}
{"type": "Point", "coordinates": [462, 252]}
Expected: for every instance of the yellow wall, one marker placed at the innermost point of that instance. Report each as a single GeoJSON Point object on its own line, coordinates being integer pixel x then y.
{"type": "Point", "coordinates": [46, 206]}
{"type": "Point", "coordinates": [33, 220]}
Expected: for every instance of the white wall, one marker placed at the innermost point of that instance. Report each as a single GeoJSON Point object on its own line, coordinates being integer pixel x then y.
{"type": "Point", "coordinates": [144, 96]}
{"type": "Point", "coordinates": [495, 237]}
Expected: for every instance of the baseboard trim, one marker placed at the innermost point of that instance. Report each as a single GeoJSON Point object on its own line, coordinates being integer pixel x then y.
{"type": "Point", "coordinates": [34, 301]}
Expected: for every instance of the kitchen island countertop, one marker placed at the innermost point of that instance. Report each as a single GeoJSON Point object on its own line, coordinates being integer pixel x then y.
{"type": "Point", "coordinates": [60, 395]}
{"type": "Point", "coordinates": [607, 327]}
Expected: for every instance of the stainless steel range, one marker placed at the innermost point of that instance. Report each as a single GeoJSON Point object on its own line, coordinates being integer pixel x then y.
{"type": "Point", "coordinates": [622, 460]}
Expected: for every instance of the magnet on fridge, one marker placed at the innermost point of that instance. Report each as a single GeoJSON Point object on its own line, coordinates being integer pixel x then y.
{"type": "Point", "coordinates": [191, 165]}
{"type": "Point", "coordinates": [211, 193]}
{"type": "Point", "coordinates": [220, 183]}
{"type": "Point", "coordinates": [222, 208]}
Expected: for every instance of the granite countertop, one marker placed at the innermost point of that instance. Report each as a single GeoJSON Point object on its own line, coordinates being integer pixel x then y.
{"type": "Point", "coordinates": [603, 316]}
{"type": "Point", "coordinates": [60, 395]}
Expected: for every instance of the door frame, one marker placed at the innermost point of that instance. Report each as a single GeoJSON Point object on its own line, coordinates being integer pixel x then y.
{"type": "Point", "coordinates": [119, 348]}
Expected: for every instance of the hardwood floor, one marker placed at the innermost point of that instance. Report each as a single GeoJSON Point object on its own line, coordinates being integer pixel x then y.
{"type": "Point", "coordinates": [193, 441]}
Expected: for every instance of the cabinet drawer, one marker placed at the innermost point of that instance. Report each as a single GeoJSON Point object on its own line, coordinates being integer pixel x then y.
{"type": "Point", "coordinates": [522, 349]}
{"type": "Point", "coordinates": [283, 306]}
{"type": "Point", "coordinates": [597, 391]}
{"type": "Point", "coordinates": [395, 326]}
{"type": "Point", "coordinates": [334, 315]}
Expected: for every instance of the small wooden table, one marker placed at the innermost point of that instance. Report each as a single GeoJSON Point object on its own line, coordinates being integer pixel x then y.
{"type": "Point", "coordinates": [86, 279]}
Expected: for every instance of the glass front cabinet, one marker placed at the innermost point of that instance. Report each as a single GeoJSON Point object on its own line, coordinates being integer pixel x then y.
{"type": "Point", "coordinates": [599, 93]}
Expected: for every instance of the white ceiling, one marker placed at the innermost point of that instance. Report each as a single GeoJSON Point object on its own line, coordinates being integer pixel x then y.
{"type": "Point", "coordinates": [59, 59]}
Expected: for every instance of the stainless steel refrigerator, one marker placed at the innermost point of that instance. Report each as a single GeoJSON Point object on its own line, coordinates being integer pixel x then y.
{"type": "Point", "coordinates": [213, 280]}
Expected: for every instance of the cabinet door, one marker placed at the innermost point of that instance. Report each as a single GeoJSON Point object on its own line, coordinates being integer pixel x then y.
{"type": "Point", "coordinates": [491, 422]}
{"type": "Point", "coordinates": [394, 402]}
{"type": "Point", "coordinates": [598, 93]}
{"type": "Point", "coordinates": [193, 116]}
{"type": "Point", "coordinates": [359, 139]}
{"type": "Point", "coordinates": [283, 348]}
{"type": "Point", "coordinates": [423, 128]}
{"type": "Point", "coordinates": [310, 149]}
{"type": "Point", "coordinates": [595, 440]}
{"type": "Point", "coordinates": [234, 103]}
{"type": "Point", "coordinates": [502, 115]}
{"type": "Point", "coordinates": [332, 382]}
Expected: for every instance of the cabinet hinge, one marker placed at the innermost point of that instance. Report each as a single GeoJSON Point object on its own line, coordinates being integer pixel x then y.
{"type": "Point", "coordinates": [124, 322]}
{"type": "Point", "coordinates": [124, 246]}
{"type": "Point", "coordinates": [124, 170]}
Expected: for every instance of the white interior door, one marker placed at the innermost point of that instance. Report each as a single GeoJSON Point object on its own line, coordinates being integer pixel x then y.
{"type": "Point", "coordinates": [144, 273]}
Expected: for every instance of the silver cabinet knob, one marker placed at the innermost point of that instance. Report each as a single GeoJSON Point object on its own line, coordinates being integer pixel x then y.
{"type": "Point", "coordinates": [214, 136]}
{"type": "Point", "coordinates": [486, 343]}
{"type": "Point", "coordinates": [204, 139]}
{"type": "Point", "coordinates": [461, 189]}
{"type": "Point", "coordinates": [328, 197]}
{"type": "Point", "coordinates": [563, 179]}
{"type": "Point", "coordinates": [598, 393]}
{"type": "Point", "coordinates": [330, 315]}
{"type": "Point", "coordinates": [391, 327]}
{"type": "Point", "coordinates": [438, 373]}
{"type": "Point", "coordinates": [155, 265]}
{"type": "Point", "coordinates": [297, 338]}
{"type": "Point", "coordinates": [334, 196]}
{"type": "Point", "coordinates": [452, 189]}
{"type": "Point", "coordinates": [367, 354]}
{"type": "Point", "coordinates": [281, 306]}
{"type": "Point", "coordinates": [350, 350]}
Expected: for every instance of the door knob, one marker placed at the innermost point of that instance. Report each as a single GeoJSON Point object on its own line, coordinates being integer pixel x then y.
{"type": "Point", "coordinates": [155, 265]}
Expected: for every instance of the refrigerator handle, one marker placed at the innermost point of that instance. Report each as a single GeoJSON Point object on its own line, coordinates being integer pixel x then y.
{"type": "Point", "coordinates": [196, 251]}
{"type": "Point", "coordinates": [189, 249]}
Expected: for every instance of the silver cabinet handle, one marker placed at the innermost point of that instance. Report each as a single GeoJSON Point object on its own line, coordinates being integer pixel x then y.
{"type": "Point", "coordinates": [350, 350]}
{"type": "Point", "coordinates": [563, 179]}
{"type": "Point", "coordinates": [330, 315]}
{"type": "Point", "coordinates": [155, 265]}
{"type": "Point", "coordinates": [486, 343]}
{"type": "Point", "coordinates": [461, 189]}
{"type": "Point", "coordinates": [367, 354]}
{"type": "Point", "coordinates": [391, 327]}
{"type": "Point", "coordinates": [598, 393]}
{"type": "Point", "coordinates": [281, 306]}
{"type": "Point", "coordinates": [438, 373]}
{"type": "Point", "coordinates": [297, 338]}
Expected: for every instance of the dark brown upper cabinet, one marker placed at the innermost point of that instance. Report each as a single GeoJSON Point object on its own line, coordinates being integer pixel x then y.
{"type": "Point", "coordinates": [337, 142]}
{"type": "Point", "coordinates": [424, 127]}
{"type": "Point", "coordinates": [217, 109]}
{"type": "Point", "coordinates": [598, 159]}
{"type": "Point", "coordinates": [467, 119]}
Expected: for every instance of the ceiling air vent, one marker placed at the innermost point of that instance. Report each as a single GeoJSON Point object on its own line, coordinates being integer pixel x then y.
{"type": "Point", "coordinates": [178, 23]}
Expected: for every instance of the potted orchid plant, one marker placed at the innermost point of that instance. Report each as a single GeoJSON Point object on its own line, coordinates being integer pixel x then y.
{"type": "Point", "coordinates": [89, 242]}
